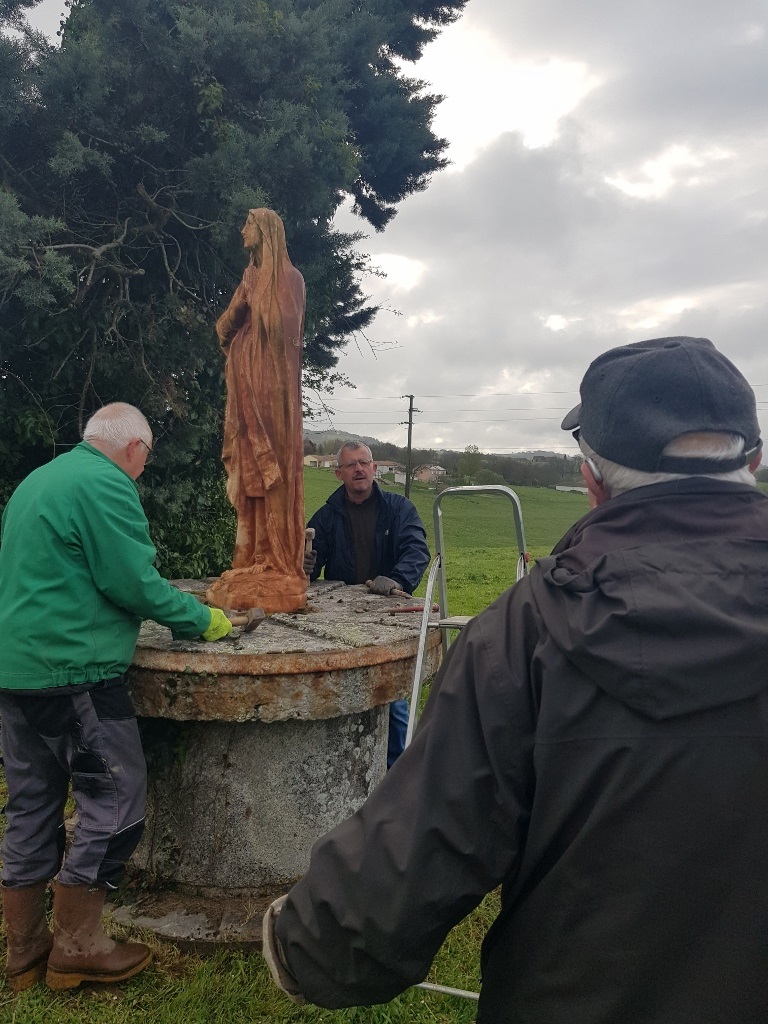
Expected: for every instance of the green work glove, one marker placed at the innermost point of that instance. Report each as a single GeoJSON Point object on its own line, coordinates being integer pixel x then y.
{"type": "Point", "coordinates": [219, 627]}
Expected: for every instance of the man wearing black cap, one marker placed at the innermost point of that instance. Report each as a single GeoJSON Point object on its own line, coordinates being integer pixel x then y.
{"type": "Point", "coordinates": [596, 742]}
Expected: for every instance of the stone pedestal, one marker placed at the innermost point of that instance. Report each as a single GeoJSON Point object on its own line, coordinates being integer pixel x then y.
{"type": "Point", "coordinates": [257, 745]}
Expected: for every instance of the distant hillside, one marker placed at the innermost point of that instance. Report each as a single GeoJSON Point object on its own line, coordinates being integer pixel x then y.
{"type": "Point", "coordinates": [319, 437]}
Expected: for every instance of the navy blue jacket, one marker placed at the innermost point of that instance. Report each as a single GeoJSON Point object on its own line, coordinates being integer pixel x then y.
{"type": "Point", "coordinates": [401, 540]}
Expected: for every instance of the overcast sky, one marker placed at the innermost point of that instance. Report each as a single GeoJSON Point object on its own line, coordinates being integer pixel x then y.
{"type": "Point", "coordinates": [609, 184]}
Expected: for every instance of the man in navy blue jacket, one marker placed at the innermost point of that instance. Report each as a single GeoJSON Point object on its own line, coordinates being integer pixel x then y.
{"type": "Point", "coordinates": [363, 533]}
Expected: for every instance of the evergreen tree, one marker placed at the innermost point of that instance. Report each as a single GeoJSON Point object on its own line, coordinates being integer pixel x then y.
{"type": "Point", "coordinates": [129, 159]}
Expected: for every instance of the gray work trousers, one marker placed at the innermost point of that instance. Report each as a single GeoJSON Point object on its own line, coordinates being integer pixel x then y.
{"type": "Point", "coordinates": [91, 739]}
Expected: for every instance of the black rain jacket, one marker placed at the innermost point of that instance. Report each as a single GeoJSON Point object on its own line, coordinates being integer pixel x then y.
{"type": "Point", "coordinates": [597, 742]}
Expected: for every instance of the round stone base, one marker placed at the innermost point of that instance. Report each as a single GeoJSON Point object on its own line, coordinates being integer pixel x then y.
{"type": "Point", "coordinates": [238, 805]}
{"type": "Point", "coordinates": [256, 745]}
{"type": "Point", "coordinates": [200, 921]}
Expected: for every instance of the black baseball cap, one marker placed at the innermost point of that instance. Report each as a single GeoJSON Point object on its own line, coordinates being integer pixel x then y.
{"type": "Point", "coordinates": [637, 398]}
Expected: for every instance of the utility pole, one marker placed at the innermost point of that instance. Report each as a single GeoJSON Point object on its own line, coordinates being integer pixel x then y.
{"type": "Point", "coordinates": [408, 451]}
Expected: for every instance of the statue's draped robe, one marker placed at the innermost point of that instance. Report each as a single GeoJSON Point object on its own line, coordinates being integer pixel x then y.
{"type": "Point", "coordinates": [261, 333]}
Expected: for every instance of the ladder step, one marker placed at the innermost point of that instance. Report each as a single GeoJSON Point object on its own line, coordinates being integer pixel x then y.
{"type": "Point", "coordinates": [452, 622]}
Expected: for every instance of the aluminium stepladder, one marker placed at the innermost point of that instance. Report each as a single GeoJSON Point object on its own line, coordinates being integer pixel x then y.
{"type": "Point", "coordinates": [446, 622]}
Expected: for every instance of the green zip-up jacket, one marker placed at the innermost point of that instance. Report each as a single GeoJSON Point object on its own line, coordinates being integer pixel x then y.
{"type": "Point", "coordinates": [77, 576]}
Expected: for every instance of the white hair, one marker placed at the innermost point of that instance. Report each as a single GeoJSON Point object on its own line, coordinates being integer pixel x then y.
{"type": "Point", "coordinates": [352, 446]}
{"type": "Point", "coordinates": [712, 446]}
{"type": "Point", "coordinates": [116, 425]}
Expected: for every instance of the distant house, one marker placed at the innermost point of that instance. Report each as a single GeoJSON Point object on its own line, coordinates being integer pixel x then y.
{"type": "Point", "coordinates": [320, 461]}
{"type": "Point", "coordinates": [385, 466]}
{"type": "Point", "coordinates": [429, 474]}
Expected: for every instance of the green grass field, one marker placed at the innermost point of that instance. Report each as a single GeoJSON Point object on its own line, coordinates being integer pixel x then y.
{"type": "Point", "coordinates": [235, 988]}
{"type": "Point", "coordinates": [480, 546]}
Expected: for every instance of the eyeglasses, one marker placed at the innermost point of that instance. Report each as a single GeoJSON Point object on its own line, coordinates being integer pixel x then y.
{"type": "Point", "coordinates": [363, 463]}
{"type": "Point", "coordinates": [590, 462]}
{"type": "Point", "coordinates": [150, 453]}
{"type": "Point", "coordinates": [593, 466]}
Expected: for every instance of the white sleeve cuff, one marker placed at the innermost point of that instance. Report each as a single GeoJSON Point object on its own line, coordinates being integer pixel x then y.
{"type": "Point", "coordinates": [273, 953]}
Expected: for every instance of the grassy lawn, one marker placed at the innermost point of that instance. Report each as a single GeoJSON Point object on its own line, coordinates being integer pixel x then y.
{"type": "Point", "coordinates": [480, 546]}
{"type": "Point", "coordinates": [235, 988]}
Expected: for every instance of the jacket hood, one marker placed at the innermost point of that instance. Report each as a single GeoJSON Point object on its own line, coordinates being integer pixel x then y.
{"type": "Point", "coordinates": [660, 596]}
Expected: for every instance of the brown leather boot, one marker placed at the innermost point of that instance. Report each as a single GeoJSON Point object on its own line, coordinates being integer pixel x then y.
{"type": "Point", "coordinates": [81, 951]}
{"type": "Point", "coordinates": [29, 938]}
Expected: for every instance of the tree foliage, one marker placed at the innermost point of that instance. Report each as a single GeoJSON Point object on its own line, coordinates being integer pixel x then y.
{"type": "Point", "coordinates": [470, 464]}
{"type": "Point", "coordinates": [129, 158]}
{"type": "Point", "coordinates": [543, 471]}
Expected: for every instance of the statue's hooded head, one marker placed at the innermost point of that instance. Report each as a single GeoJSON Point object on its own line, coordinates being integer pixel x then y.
{"type": "Point", "coordinates": [264, 234]}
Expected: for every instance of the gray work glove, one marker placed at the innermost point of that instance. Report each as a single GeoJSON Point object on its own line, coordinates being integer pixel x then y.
{"type": "Point", "coordinates": [383, 585]}
{"type": "Point", "coordinates": [310, 560]}
{"type": "Point", "coordinates": [273, 954]}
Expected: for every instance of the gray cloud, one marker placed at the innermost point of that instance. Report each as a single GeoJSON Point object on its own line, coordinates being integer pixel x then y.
{"type": "Point", "coordinates": [522, 235]}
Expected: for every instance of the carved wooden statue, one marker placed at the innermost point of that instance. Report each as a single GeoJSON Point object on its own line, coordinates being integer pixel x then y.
{"type": "Point", "coordinates": [261, 335]}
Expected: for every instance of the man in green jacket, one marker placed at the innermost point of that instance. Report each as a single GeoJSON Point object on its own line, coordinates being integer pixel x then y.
{"type": "Point", "coordinates": [77, 578]}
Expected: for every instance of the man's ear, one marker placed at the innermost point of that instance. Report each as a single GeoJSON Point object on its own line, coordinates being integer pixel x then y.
{"type": "Point", "coordinates": [598, 494]}
{"type": "Point", "coordinates": [337, 471]}
{"type": "Point", "coordinates": [756, 462]}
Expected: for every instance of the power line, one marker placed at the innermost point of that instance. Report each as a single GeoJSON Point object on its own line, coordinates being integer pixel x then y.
{"type": "Point", "coordinates": [513, 419]}
{"type": "Point", "coordinates": [532, 446]}
{"type": "Point", "coordinates": [513, 408]}
{"type": "Point", "coordinates": [505, 394]}
{"type": "Point", "coordinates": [338, 418]}
{"type": "Point", "coordinates": [480, 394]}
